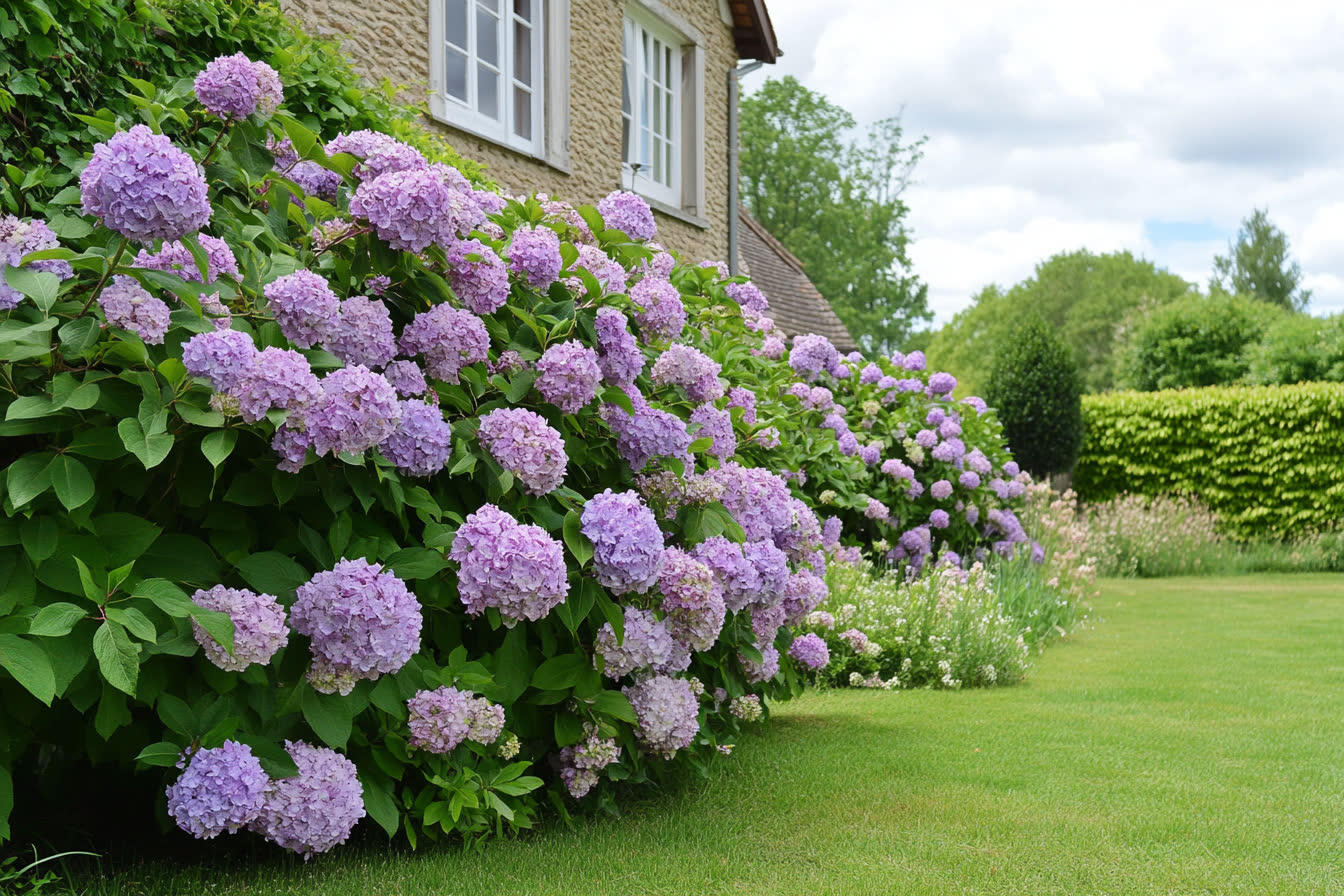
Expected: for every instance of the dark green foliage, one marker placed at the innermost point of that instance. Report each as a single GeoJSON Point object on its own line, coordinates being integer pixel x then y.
{"type": "Point", "coordinates": [1266, 459]}
{"type": "Point", "coordinates": [1258, 265]}
{"type": "Point", "coordinates": [1297, 348]}
{"type": "Point", "coordinates": [836, 205]}
{"type": "Point", "coordinates": [1194, 341]}
{"type": "Point", "coordinates": [1035, 389]}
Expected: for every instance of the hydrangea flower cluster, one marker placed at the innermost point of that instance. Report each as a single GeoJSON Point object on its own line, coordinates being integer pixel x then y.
{"type": "Point", "coordinates": [647, 433]}
{"type": "Point", "coordinates": [414, 208]}
{"type": "Point", "coordinates": [175, 258]}
{"type": "Point", "coordinates": [757, 499]}
{"type": "Point", "coordinates": [312, 178]}
{"type": "Point", "coordinates": [478, 276]}
{"type": "Point", "coordinates": [627, 543]}
{"type": "Point", "coordinates": [19, 237]}
{"type": "Point", "coordinates": [646, 643]}
{"type": "Point", "coordinates": [748, 295]}
{"type": "Point", "coordinates": [518, 569]}
{"type": "Point", "coordinates": [618, 355]}
{"type": "Point", "coordinates": [745, 399]}
{"type": "Point", "coordinates": [693, 370]}
{"type": "Point", "coordinates": [422, 442]}
{"type": "Point", "coordinates": [234, 87]}
{"type": "Point", "coordinates": [717, 425]}
{"type": "Point", "coordinates": [220, 791]}
{"type": "Point", "coordinates": [259, 629]}
{"type": "Point", "coordinates": [692, 599]}
{"type": "Point", "coordinates": [362, 621]}
{"type": "Point", "coordinates": [737, 577]}
{"type": "Point", "coordinates": [668, 714]}
{"type": "Point", "coordinates": [407, 378]}
{"type": "Point", "coordinates": [358, 410]}
{"type": "Point", "coordinates": [527, 446]}
{"type": "Point", "coordinates": [580, 763]}
{"type": "Point", "coordinates": [221, 356]}
{"type": "Point", "coordinates": [662, 315]}
{"type": "Point", "coordinates": [304, 306]}
{"type": "Point", "coordinates": [747, 708]}
{"type": "Point", "coordinates": [144, 187]}
{"type": "Point", "coordinates": [763, 671]}
{"type": "Point", "coordinates": [362, 333]}
{"type": "Point", "coordinates": [441, 719]}
{"type": "Point", "coordinates": [813, 355]}
{"type": "Point", "coordinates": [274, 378]}
{"type": "Point", "coordinates": [628, 213]}
{"type": "Point", "coordinates": [448, 339]}
{"type": "Point", "coordinates": [378, 153]}
{"type": "Point", "coordinates": [534, 254]}
{"type": "Point", "coordinates": [608, 273]}
{"type": "Point", "coordinates": [810, 651]}
{"type": "Point", "coordinates": [568, 375]}
{"type": "Point", "coordinates": [289, 813]}
{"type": "Point", "coordinates": [127, 305]}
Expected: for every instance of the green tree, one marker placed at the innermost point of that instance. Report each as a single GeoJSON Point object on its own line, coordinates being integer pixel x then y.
{"type": "Point", "coordinates": [1258, 265]}
{"type": "Point", "coordinates": [1194, 341]}
{"type": "Point", "coordinates": [835, 202]}
{"type": "Point", "coordinates": [1090, 299]}
{"type": "Point", "coordinates": [1035, 389]}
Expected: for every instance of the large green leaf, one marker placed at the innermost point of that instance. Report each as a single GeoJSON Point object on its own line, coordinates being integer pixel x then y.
{"type": "Point", "coordinates": [330, 716]}
{"type": "Point", "coordinates": [272, 572]}
{"type": "Point", "coordinates": [28, 477]}
{"type": "Point", "coordinates": [118, 658]}
{"type": "Point", "coordinates": [151, 449]}
{"type": "Point", "coordinates": [30, 666]}
{"type": "Point", "coordinates": [56, 620]}
{"type": "Point", "coordinates": [71, 481]}
{"type": "Point", "coordinates": [380, 803]}
{"type": "Point", "coordinates": [416, 563]}
{"type": "Point", "coordinates": [561, 672]}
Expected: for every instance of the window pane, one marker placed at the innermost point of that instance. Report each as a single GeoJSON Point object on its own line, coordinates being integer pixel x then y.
{"type": "Point", "coordinates": [668, 167]}
{"type": "Point", "coordinates": [522, 113]}
{"type": "Point", "coordinates": [455, 74]}
{"type": "Point", "coordinates": [523, 8]}
{"type": "Point", "coordinates": [487, 36]}
{"type": "Point", "coordinates": [625, 140]}
{"type": "Point", "coordinates": [522, 53]}
{"type": "Point", "coordinates": [455, 22]}
{"type": "Point", "coordinates": [487, 92]}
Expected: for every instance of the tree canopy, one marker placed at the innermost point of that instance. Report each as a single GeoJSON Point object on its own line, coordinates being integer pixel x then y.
{"type": "Point", "coordinates": [1258, 265]}
{"type": "Point", "coordinates": [835, 203]}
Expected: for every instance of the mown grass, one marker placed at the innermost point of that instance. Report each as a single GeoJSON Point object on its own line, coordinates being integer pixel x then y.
{"type": "Point", "coordinates": [1190, 741]}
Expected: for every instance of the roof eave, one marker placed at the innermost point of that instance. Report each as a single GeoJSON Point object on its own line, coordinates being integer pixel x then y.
{"type": "Point", "coordinates": [753, 32]}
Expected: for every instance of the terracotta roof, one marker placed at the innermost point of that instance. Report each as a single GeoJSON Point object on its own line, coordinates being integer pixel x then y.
{"type": "Point", "coordinates": [795, 304]}
{"type": "Point", "coordinates": [752, 30]}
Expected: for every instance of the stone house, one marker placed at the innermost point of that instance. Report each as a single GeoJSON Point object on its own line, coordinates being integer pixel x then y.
{"type": "Point", "coordinates": [577, 98]}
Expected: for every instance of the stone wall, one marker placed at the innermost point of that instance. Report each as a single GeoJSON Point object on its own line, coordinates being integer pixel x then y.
{"type": "Point", "coordinates": [390, 39]}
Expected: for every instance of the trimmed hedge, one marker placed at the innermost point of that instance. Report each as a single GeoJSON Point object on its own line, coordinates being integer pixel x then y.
{"type": "Point", "coordinates": [1269, 460]}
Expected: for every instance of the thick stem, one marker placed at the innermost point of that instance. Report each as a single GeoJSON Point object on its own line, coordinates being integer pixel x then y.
{"type": "Point", "coordinates": [218, 137]}
{"type": "Point", "coordinates": [106, 274]}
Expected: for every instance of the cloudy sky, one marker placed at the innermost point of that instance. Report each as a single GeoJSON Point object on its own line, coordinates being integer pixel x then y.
{"type": "Point", "coordinates": [1148, 126]}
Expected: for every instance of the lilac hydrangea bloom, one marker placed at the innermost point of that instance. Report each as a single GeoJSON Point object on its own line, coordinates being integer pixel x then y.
{"type": "Point", "coordinates": [738, 578]}
{"type": "Point", "coordinates": [914, 361]}
{"type": "Point", "coordinates": [648, 433]}
{"type": "Point", "coordinates": [757, 499]}
{"type": "Point", "coordinates": [969, 479]}
{"type": "Point", "coordinates": [221, 790]}
{"type": "Point", "coordinates": [949, 428]}
{"type": "Point", "coordinates": [871, 373]}
{"type": "Point", "coordinates": [939, 519]}
{"type": "Point", "coordinates": [748, 296]}
{"type": "Point", "coordinates": [668, 714]}
{"type": "Point", "coordinates": [628, 213]}
{"type": "Point", "coordinates": [1011, 468]}
{"type": "Point", "coordinates": [312, 178]}
{"type": "Point", "coordinates": [407, 378]}
{"type": "Point", "coordinates": [441, 719]}
{"type": "Point", "coordinates": [618, 354]}
{"type": "Point", "coordinates": [448, 338]}
{"type": "Point", "coordinates": [949, 451]}
{"type": "Point", "coordinates": [127, 305]}
{"type": "Point", "coordinates": [234, 87]}
{"type": "Point", "coordinates": [772, 566]}
{"type": "Point", "coordinates": [568, 375]}
{"type": "Point", "coordinates": [942, 383]}
{"type": "Point", "coordinates": [580, 763]}
{"type": "Point", "coordinates": [745, 399]}
{"type": "Point", "coordinates": [830, 531]}
{"type": "Point", "coordinates": [144, 187]}
{"type": "Point", "coordinates": [717, 425]}
{"type": "Point", "coordinates": [692, 599]}
{"type": "Point", "coordinates": [812, 355]}
{"type": "Point", "coordinates": [697, 373]}
{"type": "Point", "coordinates": [527, 446]}
{"type": "Point", "coordinates": [362, 622]}
{"type": "Point", "coordinates": [19, 237]}
{"type": "Point", "coordinates": [304, 306]}
{"type": "Point", "coordinates": [276, 378]}
{"type": "Point", "coordinates": [259, 629]}
{"type": "Point", "coordinates": [940, 489]}
{"type": "Point", "coordinates": [358, 410]}
{"type": "Point", "coordinates": [766, 669]}
{"type": "Point", "coordinates": [977, 403]}
{"type": "Point", "coordinates": [362, 333]}
{"type": "Point", "coordinates": [627, 543]}
{"type": "Point", "coordinates": [662, 315]}
{"type": "Point", "coordinates": [478, 276]}
{"type": "Point", "coordinates": [220, 356]}
{"type": "Point", "coordinates": [917, 541]}
{"type": "Point", "coordinates": [414, 208]}
{"type": "Point", "coordinates": [290, 816]}
{"type": "Point", "coordinates": [518, 569]}
{"type": "Point", "coordinates": [534, 254]}
{"type": "Point", "coordinates": [771, 347]}
{"type": "Point", "coordinates": [292, 445]}
{"type": "Point", "coordinates": [810, 651]}
{"type": "Point", "coordinates": [422, 441]}
{"type": "Point", "coordinates": [876, 510]}
{"type": "Point", "coordinates": [647, 644]}
{"type": "Point", "coordinates": [378, 153]}
{"type": "Point", "coordinates": [871, 453]}
{"type": "Point", "coordinates": [606, 270]}
{"type": "Point", "coordinates": [175, 258]}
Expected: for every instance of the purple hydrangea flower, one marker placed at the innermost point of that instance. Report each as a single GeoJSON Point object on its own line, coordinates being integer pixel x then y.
{"type": "Point", "coordinates": [812, 355]}
{"type": "Point", "coordinates": [647, 643]}
{"type": "Point", "coordinates": [412, 209]}
{"type": "Point", "coordinates": [448, 338]}
{"type": "Point", "coordinates": [914, 361]}
{"type": "Point", "coordinates": [940, 489]}
{"type": "Point", "coordinates": [748, 296]}
{"type": "Point", "coordinates": [378, 284]}
{"type": "Point", "coordinates": [772, 566]}
{"type": "Point", "coordinates": [276, 378]}
{"type": "Point", "coordinates": [362, 333]}
{"type": "Point", "coordinates": [1011, 468]}
{"type": "Point", "coordinates": [580, 763]}
{"type": "Point", "coordinates": [942, 383]}
{"type": "Point", "coordinates": [977, 403]}
{"type": "Point", "coordinates": [694, 371]}
{"type": "Point", "coordinates": [144, 187]}
{"type": "Point", "coordinates": [378, 153]}
{"type": "Point", "coordinates": [810, 651]}
{"type": "Point", "coordinates": [19, 237]}
{"type": "Point", "coordinates": [803, 594]}
{"type": "Point", "coordinates": [692, 599]}
{"type": "Point", "coordinates": [628, 213]}
{"type": "Point", "coordinates": [939, 519]}
{"type": "Point", "coordinates": [128, 306]}
{"type": "Point", "coordinates": [259, 629]}
{"type": "Point", "coordinates": [518, 569]}
{"type": "Point", "coordinates": [175, 258]}
{"type": "Point", "coordinates": [221, 356]}
{"type": "Point", "coordinates": [618, 355]}
{"type": "Point", "coordinates": [830, 531]}
{"type": "Point", "coordinates": [757, 499]}
{"type": "Point", "coordinates": [898, 469]}
{"type": "Point", "coordinates": [407, 378]}
{"type": "Point", "coordinates": [771, 347]}
{"type": "Point", "coordinates": [949, 451]}
{"type": "Point", "coordinates": [739, 397]}
{"type": "Point", "coordinates": [527, 446]}
{"type": "Point", "coordinates": [362, 622]}
{"type": "Point", "coordinates": [871, 373]}
{"type": "Point", "coordinates": [969, 480]}
{"type": "Point", "coordinates": [304, 306]}
{"type": "Point", "coordinates": [662, 316]}
{"type": "Point", "coordinates": [848, 444]}
{"type": "Point", "coordinates": [766, 669]}
{"type": "Point", "coordinates": [668, 714]}
{"type": "Point", "coordinates": [221, 790]}
{"type": "Point", "coordinates": [949, 428]}
{"type": "Point", "coordinates": [917, 542]}
{"type": "Point", "coordinates": [534, 254]}
{"type": "Point", "coordinates": [358, 410]}
{"type": "Point", "coordinates": [422, 441]}
{"type": "Point", "coordinates": [234, 87]}
{"type": "Point", "coordinates": [977, 461]}
{"type": "Point", "coordinates": [717, 425]}
{"type": "Point", "coordinates": [871, 453]}
{"type": "Point", "coordinates": [312, 178]}
{"type": "Point", "coordinates": [627, 543]}
{"type": "Point", "coordinates": [857, 640]}
{"type": "Point", "coordinates": [876, 510]}
{"type": "Point", "coordinates": [292, 445]}
{"type": "Point", "coordinates": [738, 578]}
{"type": "Point", "coordinates": [478, 276]}
{"type": "Point", "coordinates": [606, 270]}
{"type": "Point", "coordinates": [568, 376]}
{"type": "Point", "coordinates": [441, 719]}
{"type": "Point", "coordinates": [317, 808]}
{"type": "Point", "coordinates": [648, 433]}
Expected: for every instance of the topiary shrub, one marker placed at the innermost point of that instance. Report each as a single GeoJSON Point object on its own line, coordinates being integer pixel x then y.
{"type": "Point", "coordinates": [1035, 390]}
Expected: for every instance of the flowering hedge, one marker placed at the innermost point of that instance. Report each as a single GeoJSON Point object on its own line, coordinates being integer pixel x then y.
{"type": "Point", "coordinates": [392, 495]}
{"type": "Point", "coordinates": [1265, 460]}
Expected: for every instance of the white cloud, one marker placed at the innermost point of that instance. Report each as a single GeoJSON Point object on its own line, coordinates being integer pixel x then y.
{"type": "Point", "coordinates": [1055, 126]}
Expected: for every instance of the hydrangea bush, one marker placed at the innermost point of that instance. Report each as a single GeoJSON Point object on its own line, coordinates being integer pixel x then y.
{"type": "Point", "coordinates": [413, 502]}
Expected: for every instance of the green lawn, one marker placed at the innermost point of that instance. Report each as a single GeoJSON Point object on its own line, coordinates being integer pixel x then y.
{"type": "Point", "coordinates": [1190, 741]}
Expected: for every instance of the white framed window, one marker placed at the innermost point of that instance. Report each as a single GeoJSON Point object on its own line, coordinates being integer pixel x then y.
{"type": "Point", "coordinates": [487, 64]}
{"type": "Point", "coordinates": [662, 107]}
